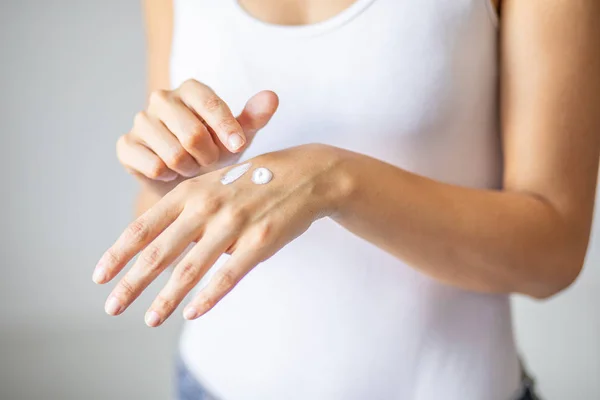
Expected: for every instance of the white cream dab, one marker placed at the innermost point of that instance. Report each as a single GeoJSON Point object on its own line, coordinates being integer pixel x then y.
{"type": "Point", "coordinates": [235, 173]}
{"type": "Point", "coordinates": [262, 175]}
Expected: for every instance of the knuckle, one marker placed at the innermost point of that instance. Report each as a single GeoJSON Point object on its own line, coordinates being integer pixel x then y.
{"type": "Point", "coordinates": [194, 136]}
{"type": "Point", "coordinates": [122, 146]}
{"type": "Point", "coordinates": [158, 96]}
{"type": "Point", "coordinates": [189, 84]}
{"type": "Point", "coordinates": [206, 303]}
{"type": "Point", "coordinates": [226, 280]}
{"type": "Point", "coordinates": [140, 119]}
{"type": "Point", "coordinates": [121, 142]}
{"type": "Point", "coordinates": [187, 273]}
{"type": "Point", "coordinates": [113, 258]}
{"type": "Point", "coordinates": [206, 205]}
{"type": "Point", "coordinates": [213, 103]}
{"type": "Point", "coordinates": [126, 287]}
{"type": "Point", "coordinates": [196, 213]}
{"type": "Point", "coordinates": [137, 231]}
{"type": "Point", "coordinates": [228, 124]}
{"type": "Point", "coordinates": [212, 204]}
{"type": "Point", "coordinates": [263, 235]}
{"type": "Point", "coordinates": [152, 256]}
{"type": "Point", "coordinates": [178, 158]}
{"type": "Point", "coordinates": [235, 217]}
{"type": "Point", "coordinates": [165, 303]}
{"type": "Point", "coordinates": [157, 168]}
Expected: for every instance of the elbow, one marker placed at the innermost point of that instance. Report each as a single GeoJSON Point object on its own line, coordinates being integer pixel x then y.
{"type": "Point", "coordinates": [555, 265]}
{"type": "Point", "coordinates": [553, 278]}
{"type": "Point", "coordinates": [545, 289]}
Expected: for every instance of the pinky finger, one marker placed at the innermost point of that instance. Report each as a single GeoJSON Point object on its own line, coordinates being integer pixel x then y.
{"type": "Point", "coordinates": [221, 283]}
{"type": "Point", "coordinates": [139, 159]}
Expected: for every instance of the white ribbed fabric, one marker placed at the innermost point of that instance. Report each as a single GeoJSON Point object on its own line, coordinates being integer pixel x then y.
{"type": "Point", "coordinates": [332, 317]}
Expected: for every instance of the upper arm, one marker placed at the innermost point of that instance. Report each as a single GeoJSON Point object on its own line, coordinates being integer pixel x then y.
{"type": "Point", "coordinates": [158, 16]}
{"type": "Point", "coordinates": [550, 100]}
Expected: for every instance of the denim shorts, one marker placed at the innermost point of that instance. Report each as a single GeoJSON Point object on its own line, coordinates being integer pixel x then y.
{"type": "Point", "coordinates": [188, 388]}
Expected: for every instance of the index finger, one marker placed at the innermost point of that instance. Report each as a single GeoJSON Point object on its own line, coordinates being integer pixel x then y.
{"type": "Point", "coordinates": [215, 112]}
{"type": "Point", "coordinates": [136, 237]}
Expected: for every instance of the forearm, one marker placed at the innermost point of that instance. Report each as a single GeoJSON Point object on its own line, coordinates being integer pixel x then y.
{"type": "Point", "coordinates": [483, 240]}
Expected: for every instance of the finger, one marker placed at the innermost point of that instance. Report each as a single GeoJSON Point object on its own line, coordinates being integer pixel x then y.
{"type": "Point", "coordinates": [137, 236]}
{"type": "Point", "coordinates": [157, 256]}
{"type": "Point", "coordinates": [185, 125]}
{"type": "Point", "coordinates": [187, 274]}
{"type": "Point", "coordinates": [204, 101]}
{"type": "Point", "coordinates": [155, 135]}
{"type": "Point", "coordinates": [221, 283]}
{"type": "Point", "coordinates": [139, 159]}
{"type": "Point", "coordinates": [257, 113]}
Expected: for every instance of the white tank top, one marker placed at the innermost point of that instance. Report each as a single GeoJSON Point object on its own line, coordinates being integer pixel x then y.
{"type": "Point", "coordinates": [331, 316]}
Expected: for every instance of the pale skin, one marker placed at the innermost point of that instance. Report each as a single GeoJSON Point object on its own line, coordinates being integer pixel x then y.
{"type": "Point", "coordinates": [530, 237]}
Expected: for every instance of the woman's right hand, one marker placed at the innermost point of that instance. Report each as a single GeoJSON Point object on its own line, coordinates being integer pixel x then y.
{"type": "Point", "coordinates": [186, 130]}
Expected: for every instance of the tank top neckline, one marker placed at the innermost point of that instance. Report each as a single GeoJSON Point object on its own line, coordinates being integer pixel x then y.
{"type": "Point", "coordinates": [316, 28]}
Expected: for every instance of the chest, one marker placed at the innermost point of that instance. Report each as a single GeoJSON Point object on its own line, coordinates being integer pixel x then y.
{"type": "Point", "coordinates": [377, 58]}
{"type": "Point", "coordinates": [401, 80]}
{"type": "Point", "coordinates": [294, 12]}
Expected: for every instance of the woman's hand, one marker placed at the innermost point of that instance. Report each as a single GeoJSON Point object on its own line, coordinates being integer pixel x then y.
{"type": "Point", "coordinates": [249, 221]}
{"type": "Point", "coordinates": [189, 128]}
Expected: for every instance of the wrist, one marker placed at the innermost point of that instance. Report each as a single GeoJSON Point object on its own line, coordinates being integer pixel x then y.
{"type": "Point", "coordinates": [336, 184]}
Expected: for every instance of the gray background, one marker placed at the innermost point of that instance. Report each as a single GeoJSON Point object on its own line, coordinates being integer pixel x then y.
{"type": "Point", "coordinates": [71, 78]}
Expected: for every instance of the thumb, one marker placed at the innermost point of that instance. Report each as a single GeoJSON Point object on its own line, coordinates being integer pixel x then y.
{"type": "Point", "coordinates": [257, 113]}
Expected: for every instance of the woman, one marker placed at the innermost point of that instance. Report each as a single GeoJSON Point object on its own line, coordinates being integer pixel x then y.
{"type": "Point", "coordinates": [404, 198]}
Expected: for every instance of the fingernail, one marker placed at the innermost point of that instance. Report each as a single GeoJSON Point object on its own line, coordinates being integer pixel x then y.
{"type": "Point", "coordinates": [235, 141]}
{"type": "Point", "coordinates": [190, 313]}
{"type": "Point", "coordinates": [113, 306]}
{"type": "Point", "coordinates": [191, 170]}
{"type": "Point", "coordinates": [152, 319]}
{"type": "Point", "coordinates": [168, 177]}
{"type": "Point", "coordinates": [99, 274]}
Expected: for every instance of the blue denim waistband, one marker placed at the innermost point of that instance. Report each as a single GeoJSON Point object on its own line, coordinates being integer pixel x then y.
{"type": "Point", "coordinates": [188, 387]}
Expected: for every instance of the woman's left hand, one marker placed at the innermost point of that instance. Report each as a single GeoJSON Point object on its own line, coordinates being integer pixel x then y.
{"type": "Point", "coordinates": [248, 221]}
